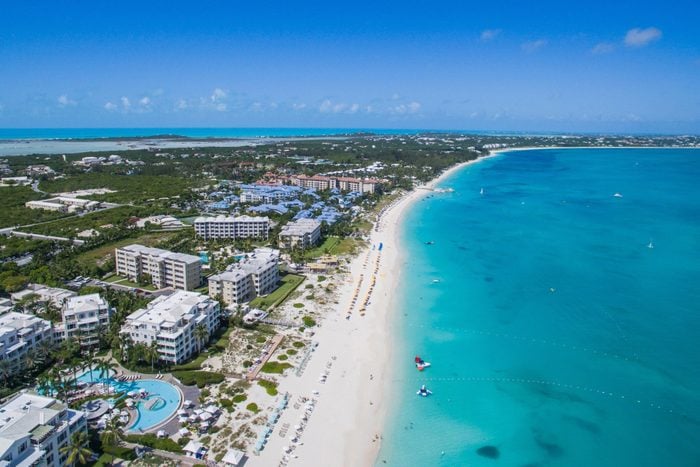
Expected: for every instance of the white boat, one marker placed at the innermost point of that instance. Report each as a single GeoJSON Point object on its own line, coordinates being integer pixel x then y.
{"type": "Point", "coordinates": [422, 366]}
{"type": "Point", "coordinates": [481, 192]}
{"type": "Point", "coordinates": [650, 245]}
{"type": "Point", "coordinates": [617, 195]}
{"type": "Point", "coordinates": [424, 392]}
{"type": "Point", "coordinates": [435, 281]}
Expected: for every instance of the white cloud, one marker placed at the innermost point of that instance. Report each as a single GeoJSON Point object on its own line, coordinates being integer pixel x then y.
{"type": "Point", "coordinates": [354, 108]}
{"type": "Point", "coordinates": [218, 94]}
{"type": "Point", "coordinates": [126, 104]}
{"type": "Point", "coordinates": [639, 37]}
{"type": "Point", "coordinates": [533, 46]}
{"type": "Point", "coordinates": [602, 48]}
{"type": "Point", "coordinates": [221, 107]}
{"type": "Point", "coordinates": [299, 106]}
{"type": "Point", "coordinates": [403, 109]}
{"type": "Point", "coordinates": [489, 34]}
{"type": "Point", "coordinates": [110, 106]}
{"type": "Point", "coordinates": [181, 104]}
{"type": "Point", "coordinates": [326, 106]}
{"type": "Point", "coordinates": [145, 101]}
{"type": "Point", "coordinates": [65, 101]}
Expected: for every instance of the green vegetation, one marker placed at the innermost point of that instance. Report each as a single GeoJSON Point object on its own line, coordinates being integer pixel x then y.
{"type": "Point", "coordinates": [253, 407]}
{"type": "Point", "coordinates": [299, 344]}
{"type": "Point", "coordinates": [195, 364]}
{"type": "Point", "coordinates": [333, 246]}
{"type": "Point", "coordinates": [133, 188]}
{"type": "Point", "coordinates": [200, 378]}
{"type": "Point", "coordinates": [289, 283]}
{"type": "Point", "coordinates": [270, 386]}
{"type": "Point", "coordinates": [275, 367]}
{"type": "Point", "coordinates": [308, 321]}
{"type": "Point", "coordinates": [107, 219]}
{"type": "Point", "coordinates": [152, 441]}
{"type": "Point", "coordinates": [14, 212]}
{"type": "Point", "coordinates": [299, 305]}
{"type": "Point", "coordinates": [291, 352]}
{"type": "Point", "coordinates": [238, 398]}
{"type": "Point", "coordinates": [105, 252]}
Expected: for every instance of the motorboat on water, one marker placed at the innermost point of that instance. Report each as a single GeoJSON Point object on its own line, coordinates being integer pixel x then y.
{"type": "Point", "coordinates": [617, 195]}
{"type": "Point", "coordinates": [650, 245]}
{"type": "Point", "coordinates": [430, 242]}
{"type": "Point", "coordinates": [423, 391]}
{"type": "Point", "coordinates": [420, 363]}
{"type": "Point", "coordinates": [481, 192]}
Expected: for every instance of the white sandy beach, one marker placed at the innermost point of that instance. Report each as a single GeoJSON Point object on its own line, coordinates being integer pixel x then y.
{"type": "Point", "coordinates": [345, 427]}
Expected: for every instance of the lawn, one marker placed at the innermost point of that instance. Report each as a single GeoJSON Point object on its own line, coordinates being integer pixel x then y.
{"type": "Point", "coordinates": [102, 252]}
{"type": "Point", "coordinates": [289, 283]}
{"type": "Point", "coordinates": [333, 246]}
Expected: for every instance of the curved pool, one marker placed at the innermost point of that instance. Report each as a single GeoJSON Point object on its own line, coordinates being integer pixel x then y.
{"type": "Point", "coordinates": [159, 405]}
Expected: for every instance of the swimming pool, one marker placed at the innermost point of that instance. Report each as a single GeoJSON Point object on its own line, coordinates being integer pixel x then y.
{"type": "Point", "coordinates": [160, 404]}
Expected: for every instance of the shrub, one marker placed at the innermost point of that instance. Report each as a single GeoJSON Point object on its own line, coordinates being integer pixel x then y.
{"type": "Point", "coordinates": [253, 407]}
{"type": "Point", "coordinates": [275, 367]}
{"type": "Point", "coordinates": [260, 339]}
{"type": "Point", "coordinates": [298, 305]}
{"type": "Point", "coordinates": [321, 278]}
{"type": "Point", "coordinates": [120, 452]}
{"type": "Point", "coordinates": [309, 286]}
{"type": "Point", "coordinates": [299, 344]}
{"type": "Point", "coordinates": [239, 398]}
{"type": "Point", "coordinates": [282, 357]}
{"type": "Point", "coordinates": [270, 387]}
{"type": "Point", "coordinates": [308, 321]}
{"type": "Point", "coordinates": [291, 352]}
{"type": "Point", "coordinates": [247, 364]}
{"type": "Point", "coordinates": [183, 441]}
{"type": "Point", "coordinates": [226, 403]}
{"type": "Point", "coordinates": [152, 441]}
{"type": "Point", "coordinates": [200, 378]}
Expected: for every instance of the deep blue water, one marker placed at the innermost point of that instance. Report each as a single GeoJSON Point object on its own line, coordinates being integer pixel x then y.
{"type": "Point", "coordinates": [557, 336]}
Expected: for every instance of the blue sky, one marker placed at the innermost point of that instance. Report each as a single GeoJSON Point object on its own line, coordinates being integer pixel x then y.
{"type": "Point", "coordinates": [522, 66]}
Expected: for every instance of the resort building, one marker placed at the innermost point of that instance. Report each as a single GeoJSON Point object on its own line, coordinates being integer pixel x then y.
{"type": "Point", "coordinates": [232, 227]}
{"type": "Point", "coordinates": [321, 183]}
{"type": "Point", "coordinates": [21, 333]}
{"type": "Point", "coordinates": [41, 293]}
{"type": "Point", "coordinates": [170, 322]}
{"type": "Point", "coordinates": [302, 233]}
{"type": "Point", "coordinates": [64, 204]}
{"type": "Point", "coordinates": [165, 268]}
{"type": "Point", "coordinates": [84, 318]}
{"type": "Point", "coordinates": [257, 274]}
{"type": "Point", "coordinates": [34, 429]}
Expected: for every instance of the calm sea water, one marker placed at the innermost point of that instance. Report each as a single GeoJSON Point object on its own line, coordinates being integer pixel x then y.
{"type": "Point", "coordinates": [557, 336]}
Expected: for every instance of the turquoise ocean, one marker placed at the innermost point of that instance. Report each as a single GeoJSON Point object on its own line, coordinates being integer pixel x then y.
{"type": "Point", "coordinates": [562, 322]}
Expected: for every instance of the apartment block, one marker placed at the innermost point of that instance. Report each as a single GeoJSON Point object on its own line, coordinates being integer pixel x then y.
{"type": "Point", "coordinates": [165, 268]}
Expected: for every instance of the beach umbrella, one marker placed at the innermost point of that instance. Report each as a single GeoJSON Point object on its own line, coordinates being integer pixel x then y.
{"type": "Point", "coordinates": [297, 427]}
{"type": "Point", "coordinates": [182, 412]}
{"type": "Point", "coordinates": [188, 403]}
{"type": "Point", "coordinates": [161, 434]}
{"type": "Point", "coordinates": [184, 432]}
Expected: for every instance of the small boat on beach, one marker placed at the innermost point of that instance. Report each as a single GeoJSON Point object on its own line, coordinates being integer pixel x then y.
{"type": "Point", "coordinates": [423, 391]}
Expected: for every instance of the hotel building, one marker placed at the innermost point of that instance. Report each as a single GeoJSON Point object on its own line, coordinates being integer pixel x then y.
{"type": "Point", "coordinates": [34, 429]}
{"type": "Point", "coordinates": [21, 333]}
{"type": "Point", "coordinates": [165, 268]}
{"type": "Point", "coordinates": [302, 233]}
{"type": "Point", "coordinates": [257, 274]}
{"type": "Point", "coordinates": [170, 321]}
{"type": "Point", "coordinates": [84, 317]}
{"type": "Point", "coordinates": [232, 227]}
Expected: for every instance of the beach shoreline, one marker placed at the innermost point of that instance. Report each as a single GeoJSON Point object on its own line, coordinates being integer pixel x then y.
{"type": "Point", "coordinates": [356, 349]}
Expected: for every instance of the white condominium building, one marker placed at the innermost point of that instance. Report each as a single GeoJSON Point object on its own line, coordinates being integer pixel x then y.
{"type": "Point", "coordinates": [303, 233]}
{"type": "Point", "coordinates": [41, 293]}
{"type": "Point", "coordinates": [257, 274]}
{"type": "Point", "coordinates": [170, 321]}
{"type": "Point", "coordinates": [165, 268]}
{"type": "Point", "coordinates": [85, 317]}
{"type": "Point", "coordinates": [34, 429]}
{"type": "Point", "coordinates": [21, 333]}
{"type": "Point", "coordinates": [232, 227]}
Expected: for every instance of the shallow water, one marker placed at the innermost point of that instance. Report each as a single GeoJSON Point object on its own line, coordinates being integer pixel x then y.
{"type": "Point", "coordinates": [556, 335]}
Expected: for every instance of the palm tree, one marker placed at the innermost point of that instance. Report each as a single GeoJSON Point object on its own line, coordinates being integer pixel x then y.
{"type": "Point", "coordinates": [105, 368]}
{"type": "Point", "coordinates": [152, 353]}
{"type": "Point", "coordinates": [44, 385]}
{"type": "Point", "coordinates": [5, 371]}
{"type": "Point", "coordinates": [77, 449]}
{"type": "Point", "coordinates": [88, 364]}
{"type": "Point", "coordinates": [32, 359]}
{"type": "Point", "coordinates": [200, 334]}
{"type": "Point", "coordinates": [111, 435]}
